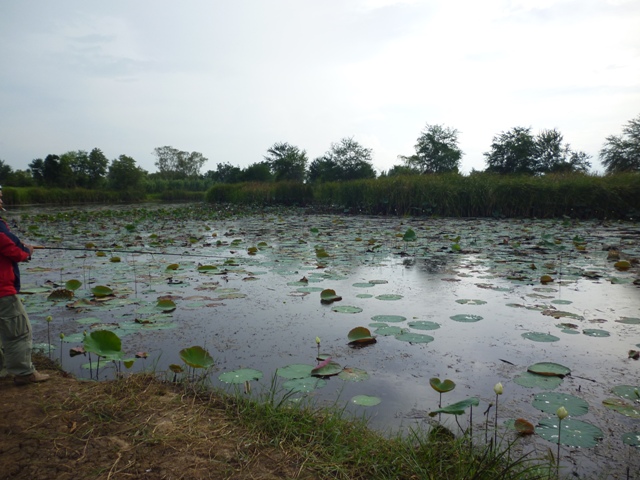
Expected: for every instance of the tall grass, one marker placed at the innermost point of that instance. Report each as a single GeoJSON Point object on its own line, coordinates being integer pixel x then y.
{"type": "Point", "coordinates": [452, 195]}
{"type": "Point", "coordinates": [66, 196]}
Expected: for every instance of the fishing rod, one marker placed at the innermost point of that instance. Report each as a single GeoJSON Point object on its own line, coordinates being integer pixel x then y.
{"type": "Point", "coordinates": [112, 250]}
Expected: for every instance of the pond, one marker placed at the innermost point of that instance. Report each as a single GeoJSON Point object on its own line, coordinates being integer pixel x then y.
{"type": "Point", "coordinates": [474, 301]}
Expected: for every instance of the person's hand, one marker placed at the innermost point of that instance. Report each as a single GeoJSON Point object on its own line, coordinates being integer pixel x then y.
{"type": "Point", "coordinates": [29, 247]}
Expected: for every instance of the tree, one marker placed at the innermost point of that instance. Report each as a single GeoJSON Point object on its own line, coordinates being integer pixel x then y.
{"type": "Point", "coordinates": [97, 169]}
{"type": "Point", "coordinates": [552, 156]}
{"type": "Point", "coordinates": [5, 172]}
{"type": "Point", "coordinates": [622, 153]}
{"type": "Point", "coordinates": [37, 170]}
{"type": "Point", "coordinates": [257, 172]}
{"type": "Point", "coordinates": [176, 164]}
{"type": "Point", "coordinates": [512, 152]}
{"type": "Point", "coordinates": [225, 173]}
{"type": "Point", "coordinates": [436, 150]}
{"type": "Point", "coordinates": [346, 160]}
{"type": "Point", "coordinates": [398, 170]}
{"type": "Point", "coordinates": [287, 162]}
{"type": "Point", "coordinates": [124, 174]}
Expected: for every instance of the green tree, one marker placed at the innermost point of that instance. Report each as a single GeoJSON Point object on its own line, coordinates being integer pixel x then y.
{"type": "Point", "coordinates": [398, 170]}
{"type": "Point", "coordinates": [5, 172]}
{"type": "Point", "coordinates": [225, 173]}
{"type": "Point", "coordinates": [512, 152]}
{"type": "Point", "coordinates": [124, 174]}
{"type": "Point", "coordinates": [176, 164]}
{"type": "Point", "coordinates": [97, 169]}
{"type": "Point", "coordinates": [257, 172]}
{"type": "Point", "coordinates": [552, 156]}
{"type": "Point", "coordinates": [437, 151]}
{"type": "Point", "coordinates": [346, 160]}
{"type": "Point", "coordinates": [622, 153]}
{"type": "Point", "coordinates": [287, 162]}
{"type": "Point", "coordinates": [37, 170]}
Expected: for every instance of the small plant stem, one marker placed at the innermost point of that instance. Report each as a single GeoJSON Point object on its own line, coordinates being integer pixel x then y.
{"type": "Point", "coordinates": [486, 424]}
{"type": "Point", "coordinates": [60, 353]}
{"type": "Point", "coordinates": [49, 337]}
{"type": "Point", "coordinates": [558, 454]}
{"type": "Point", "coordinates": [495, 426]}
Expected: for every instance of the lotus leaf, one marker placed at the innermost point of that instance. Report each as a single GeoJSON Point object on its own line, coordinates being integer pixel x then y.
{"type": "Point", "coordinates": [627, 409]}
{"type": "Point", "coordinates": [457, 408]}
{"type": "Point", "coordinates": [196, 357]}
{"type": "Point", "coordinates": [441, 387]}
{"type": "Point", "coordinates": [365, 400]}
{"type": "Point", "coordinates": [104, 343]}
{"type": "Point", "coordinates": [329, 296]}
{"type": "Point", "coordinates": [389, 296]}
{"type": "Point", "coordinates": [549, 369]}
{"type": "Point", "coordinates": [73, 284]}
{"type": "Point", "coordinates": [594, 332]}
{"type": "Point", "coordinates": [414, 337]}
{"type": "Point", "coordinates": [304, 385]}
{"type": "Point", "coordinates": [540, 337]}
{"type": "Point", "coordinates": [423, 325]}
{"type": "Point", "coordinates": [360, 335]}
{"type": "Point", "coordinates": [388, 318]}
{"type": "Point", "coordinates": [241, 375]}
{"type": "Point", "coordinates": [409, 236]}
{"type": "Point", "coordinates": [629, 392]}
{"type": "Point", "coordinates": [629, 320]}
{"type": "Point", "coordinates": [297, 370]}
{"type": "Point", "coordinates": [326, 368]}
{"type": "Point", "coordinates": [549, 402]}
{"type": "Point", "coordinates": [101, 291]}
{"type": "Point", "coordinates": [363, 285]}
{"type": "Point", "coordinates": [61, 294]}
{"type": "Point", "coordinates": [350, 374]}
{"type": "Point", "coordinates": [466, 318]}
{"type": "Point", "coordinates": [575, 433]}
{"type": "Point", "coordinates": [346, 309]}
{"type": "Point", "coordinates": [467, 301]}
{"type": "Point", "coordinates": [632, 439]}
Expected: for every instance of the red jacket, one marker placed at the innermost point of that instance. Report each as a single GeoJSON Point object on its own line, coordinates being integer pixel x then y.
{"type": "Point", "coordinates": [11, 252]}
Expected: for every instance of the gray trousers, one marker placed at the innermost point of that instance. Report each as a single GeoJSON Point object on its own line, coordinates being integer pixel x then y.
{"type": "Point", "coordinates": [15, 337]}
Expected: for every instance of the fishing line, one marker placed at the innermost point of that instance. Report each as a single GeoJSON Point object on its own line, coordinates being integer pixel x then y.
{"type": "Point", "coordinates": [140, 252]}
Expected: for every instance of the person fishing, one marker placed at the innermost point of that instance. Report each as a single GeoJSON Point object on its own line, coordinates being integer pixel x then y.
{"type": "Point", "coordinates": [15, 328]}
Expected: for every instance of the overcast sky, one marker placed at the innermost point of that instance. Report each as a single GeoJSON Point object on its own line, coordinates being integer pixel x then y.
{"type": "Point", "coordinates": [230, 78]}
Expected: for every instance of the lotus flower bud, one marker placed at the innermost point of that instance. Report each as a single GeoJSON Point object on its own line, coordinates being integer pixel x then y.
{"type": "Point", "coordinates": [49, 318]}
{"type": "Point", "coordinates": [562, 413]}
{"type": "Point", "coordinates": [318, 340]}
{"type": "Point", "coordinates": [61, 336]}
{"type": "Point", "coordinates": [498, 388]}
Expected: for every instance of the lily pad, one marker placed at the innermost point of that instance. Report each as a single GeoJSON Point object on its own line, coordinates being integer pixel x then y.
{"type": "Point", "coordinates": [549, 369]}
{"type": "Point", "coordinates": [297, 370]}
{"type": "Point", "coordinates": [360, 336]}
{"type": "Point", "coordinates": [574, 433]}
{"type": "Point", "coordinates": [346, 309]}
{"type": "Point", "coordinates": [468, 301]}
{"type": "Point", "coordinates": [240, 376]}
{"type": "Point", "coordinates": [101, 291]}
{"type": "Point", "coordinates": [595, 332]}
{"type": "Point", "coordinates": [329, 296]}
{"type": "Point", "coordinates": [389, 296]}
{"type": "Point", "coordinates": [390, 330]}
{"type": "Point", "coordinates": [629, 392]}
{"type": "Point", "coordinates": [549, 402]}
{"type": "Point", "coordinates": [540, 337]}
{"type": "Point", "coordinates": [326, 368]}
{"type": "Point", "coordinates": [629, 321]}
{"type": "Point", "coordinates": [457, 408]}
{"type": "Point", "coordinates": [363, 285]}
{"type": "Point", "coordinates": [388, 318]}
{"type": "Point", "coordinates": [365, 400]}
{"type": "Point", "coordinates": [196, 357]}
{"type": "Point", "coordinates": [466, 318]}
{"type": "Point", "coordinates": [531, 380]}
{"type": "Point", "coordinates": [351, 374]}
{"type": "Point", "coordinates": [304, 385]}
{"type": "Point", "coordinates": [423, 325]}
{"type": "Point", "coordinates": [632, 439]}
{"type": "Point", "coordinates": [414, 337]}
{"type": "Point", "coordinates": [619, 405]}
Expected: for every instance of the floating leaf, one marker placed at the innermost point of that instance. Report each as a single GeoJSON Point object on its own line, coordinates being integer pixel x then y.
{"type": "Point", "coordinates": [575, 433]}
{"type": "Point", "coordinates": [466, 318]}
{"type": "Point", "coordinates": [173, 266]}
{"type": "Point", "coordinates": [350, 374]}
{"type": "Point", "coordinates": [544, 279]}
{"type": "Point", "coordinates": [304, 385]}
{"type": "Point", "coordinates": [101, 291]}
{"type": "Point", "coordinates": [360, 336]}
{"type": "Point", "coordinates": [457, 408]}
{"type": "Point", "coordinates": [363, 285]}
{"type": "Point", "coordinates": [549, 402]}
{"type": "Point", "coordinates": [72, 285]}
{"type": "Point", "coordinates": [532, 380]}
{"type": "Point", "coordinates": [388, 331]}
{"type": "Point", "coordinates": [241, 375]}
{"type": "Point", "coordinates": [196, 357]}
{"type": "Point", "coordinates": [468, 301]}
{"type": "Point", "coordinates": [409, 236]}
{"type": "Point", "coordinates": [346, 309]}
{"type": "Point", "coordinates": [523, 427]}
{"type": "Point", "coordinates": [627, 391]}
{"type": "Point", "coordinates": [176, 368]}
{"type": "Point", "coordinates": [329, 296]}
{"type": "Point", "coordinates": [61, 294]}
{"type": "Point", "coordinates": [388, 318]}
{"type": "Point", "coordinates": [627, 409]}
{"type": "Point", "coordinates": [423, 325]}
{"type": "Point", "coordinates": [629, 320]}
{"type": "Point", "coordinates": [326, 368]}
{"type": "Point", "coordinates": [441, 387]}
{"type": "Point", "coordinates": [389, 296]}
{"type": "Point", "coordinates": [632, 439]}
{"type": "Point", "coordinates": [549, 369]}
{"type": "Point", "coordinates": [365, 400]}
{"type": "Point", "coordinates": [594, 332]}
{"type": "Point", "coordinates": [297, 370]}
{"type": "Point", "coordinates": [540, 337]}
{"type": "Point", "coordinates": [166, 305]}
{"type": "Point", "coordinates": [622, 265]}
{"type": "Point", "coordinates": [414, 337]}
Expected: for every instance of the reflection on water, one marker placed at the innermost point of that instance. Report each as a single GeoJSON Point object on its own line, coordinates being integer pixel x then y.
{"type": "Point", "coordinates": [252, 314]}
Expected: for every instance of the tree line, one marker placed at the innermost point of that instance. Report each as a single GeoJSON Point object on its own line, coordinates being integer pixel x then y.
{"type": "Point", "coordinates": [516, 151]}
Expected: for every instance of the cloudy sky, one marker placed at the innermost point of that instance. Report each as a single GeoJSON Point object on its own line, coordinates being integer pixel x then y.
{"type": "Point", "coordinates": [230, 78]}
